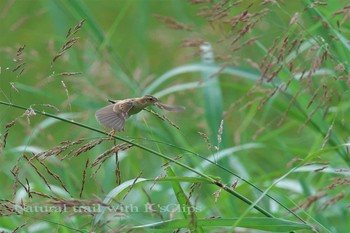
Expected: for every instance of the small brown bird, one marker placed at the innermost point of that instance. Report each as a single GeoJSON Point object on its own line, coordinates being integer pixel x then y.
{"type": "Point", "coordinates": [114, 116]}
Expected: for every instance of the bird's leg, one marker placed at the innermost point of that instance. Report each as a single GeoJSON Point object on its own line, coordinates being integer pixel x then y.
{"type": "Point", "coordinates": [112, 133]}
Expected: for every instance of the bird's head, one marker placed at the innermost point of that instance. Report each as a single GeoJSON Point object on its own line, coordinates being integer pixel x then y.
{"type": "Point", "coordinates": [149, 99]}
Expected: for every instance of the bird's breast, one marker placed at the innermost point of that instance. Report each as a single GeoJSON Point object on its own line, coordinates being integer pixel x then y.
{"type": "Point", "coordinates": [134, 110]}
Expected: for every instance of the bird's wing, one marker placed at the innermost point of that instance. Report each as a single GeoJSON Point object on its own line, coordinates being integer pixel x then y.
{"type": "Point", "coordinates": [123, 107]}
{"type": "Point", "coordinates": [170, 108]}
{"type": "Point", "coordinates": [110, 118]}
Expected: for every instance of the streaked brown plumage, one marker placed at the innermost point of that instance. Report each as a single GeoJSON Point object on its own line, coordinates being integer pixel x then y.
{"type": "Point", "coordinates": [114, 116]}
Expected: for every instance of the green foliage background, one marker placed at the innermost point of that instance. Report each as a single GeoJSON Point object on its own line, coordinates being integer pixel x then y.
{"type": "Point", "coordinates": [274, 73]}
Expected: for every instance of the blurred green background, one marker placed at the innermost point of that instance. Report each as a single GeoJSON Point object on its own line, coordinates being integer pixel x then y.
{"type": "Point", "coordinates": [285, 127]}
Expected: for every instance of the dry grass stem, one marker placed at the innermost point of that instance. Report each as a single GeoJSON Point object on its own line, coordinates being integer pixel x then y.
{"type": "Point", "coordinates": [55, 176]}
{"type": "Point", "coordinates": [20, 64]}
{"type": "Point", "coordinates": [234, 184]}
{"type": "Point", "coordinates": [37, 172]}
{"type": "Point", "coordinates": [7, 128]}
{"type": "Point", "coordinates": [272, 93]}
{"type": "Point", "coordinates": [192, 43]}
{"type": "Point", "coordinates": [289, 106]}
{"type": "Point", "coordinates": [246, 43]}
{"type": "Point", "coordinates": [83, 179]}
{"type": "Point", "coordinates": [201, 1]}
{"type": "Point", "coordinates": [19, 228]}
{"type": "Point", "coordinates": [50, 197]}
{"type": "Point", "coordinates": [108, 153]}
{"type": "Point", "coordinates": [316, 163]}
{"type": "Point", "coordinates": [70, 42]}
{"type": "Point", "coordinates": [320, 169]}
{"type": "Point", "coordinates": [155, 181]}
{"type": "Point", "coordinates": [58, 150]}
{"type": "Point", "coordinates": [294, 18]}
{"type": "Point", "coordinates": [69, 73]}
{"type": "Point", "coordinates": [51, 106]}
{"type": "Point", "coordinates": [250, 103]}
{"type": "Point", "coordinates": [219, 136]}
{"type": "Point", "coordinates": [258, 132]}
{"type": "Point", "coordinates": [132, 185]}
{"type": "Point", "coordinates": [88, 146]}
{"type": "Point", "coordinates": [172, 23]}
{"type": "Point", "coordinates": [117, 171]}
{"type": "Point", "coordinates": [206, 139]}
{"type": "Point", "coordinates": [67, 94]}
{"type": "Point", "coordinates": [328, 135]}
{"type": "Point", "coordinates": [311, 200]}
{"type": "Point", "coordinates": [166, 165]}
{"type": "Point", "coordinates": [95, 172]}
{"type": "Point", "coordinates": [7, 208]}
{"type": "Point", "coordinates": [293, 161]}
{"type": "Point", "coordinates": [14, 86]}
{"type": "Point", "coordinates": [217, 195]}
{"type": "Point", "coordinates": [163, 118]}
{"type": "Point", "coordinates": [309, 116]}
{"type": "Point", "coordinates": [333, 200]}
{"type": "Point", "coordinates": [76, 28]}
{"type": "Point", "coordinates": [28, 113]}
{"type": "Point", "coordinates": [15, 172]}
{"type": "Point", "coordinates": [312, 98]}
